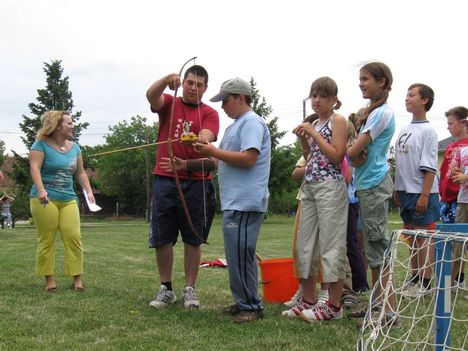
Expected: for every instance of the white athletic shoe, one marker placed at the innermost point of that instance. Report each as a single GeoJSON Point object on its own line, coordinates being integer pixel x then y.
{"type": "Point", "coordinates": [457, 285]}
{"type": "Point", "coordinates": [296, 310]}
{"type": "Point", "coordinates": [417, 291]}
{"type": "Point", "coordinates": [409, 286]}
{"type": "Point", "coordinates": [295, 299]}
{"type": "Point", "coordinates": [190, 297]}
{"type": "Point", "coordinates": [320, 313]}
{"type": "Point", "coordinates": [163, 298]}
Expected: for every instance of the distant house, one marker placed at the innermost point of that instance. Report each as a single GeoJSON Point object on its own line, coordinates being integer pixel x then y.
{"type": "Point", "coordinates": [444, 143]}
{"type": "Point", "coordinates": [7, 185]}
{"type": "Point", "coordinates": [442, 146]}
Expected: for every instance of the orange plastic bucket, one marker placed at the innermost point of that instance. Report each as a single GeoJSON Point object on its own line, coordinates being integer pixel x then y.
{"type": "Point", "coordinates": [278, 282]}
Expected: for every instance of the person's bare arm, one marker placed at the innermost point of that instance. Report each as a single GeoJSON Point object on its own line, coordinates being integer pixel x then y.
{"type": "Point", "coordinates": [83, 180]}
{"type": "Point", "coordinates": [36, 158]}
{"type": "Point", "coordinates": [242, 159]}
{"type": "Point", "coordinates": [154, 94]}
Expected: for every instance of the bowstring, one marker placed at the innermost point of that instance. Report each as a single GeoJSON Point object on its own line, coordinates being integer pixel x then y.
{"type": "Point", "coordinates": [200, 140]}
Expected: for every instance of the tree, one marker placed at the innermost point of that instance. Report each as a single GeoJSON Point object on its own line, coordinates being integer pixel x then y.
{"type": "Point", "coordinates": [121, 175]}
{"type": "Point", "coordinates": [55, 96]}
{"type": "Point", "coordinates": [282, 187]}
{"type": "Point", "coordinates": [2, 152]}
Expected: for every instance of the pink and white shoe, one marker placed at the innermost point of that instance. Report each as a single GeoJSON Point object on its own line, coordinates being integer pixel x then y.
{"type": "Point", "coordinates": [321, 312]}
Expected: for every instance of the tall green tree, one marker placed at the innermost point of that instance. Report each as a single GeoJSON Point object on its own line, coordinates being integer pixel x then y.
{"type": "Point", "coordinates": [282, 187]}
{"type": "Point", "coordinates": [123, 175]}
{"type": "Point", "coordinates": [2, 152]}
{"type": "Point", "coordinates": [55, 96]}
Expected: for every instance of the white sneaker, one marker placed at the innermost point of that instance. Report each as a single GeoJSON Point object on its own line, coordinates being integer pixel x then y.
{"type": "Point", "coordinates": [457, 285]}
{"type": "Point", "coordinates": [163, 298]}
{"type": "Point", "coordinates": [417, 291]}
{"type": "Point", "coordinates": [409, 286]}
{"type": "Point", "coordinates": [319, 313]}
{"type": "Point", "coordinates": [297, 309]}
{"type": "Point", "coordinates": [190, 297]}
{"type": "Point", "coordinates": [295, 299]}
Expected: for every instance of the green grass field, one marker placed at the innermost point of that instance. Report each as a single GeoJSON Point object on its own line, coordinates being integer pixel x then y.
{"type": "Point", "coordinates": [121, 279]}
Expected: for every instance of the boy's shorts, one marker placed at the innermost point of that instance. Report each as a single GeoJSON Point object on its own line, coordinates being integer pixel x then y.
{"type": "Point", "coordinates": [408, 209]}
{"type": "Point", "coordinates": [168, 215]}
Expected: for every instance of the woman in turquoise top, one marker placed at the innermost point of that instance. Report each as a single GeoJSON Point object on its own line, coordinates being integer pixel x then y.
{"type": "Point", "coordinates": [54, 159]}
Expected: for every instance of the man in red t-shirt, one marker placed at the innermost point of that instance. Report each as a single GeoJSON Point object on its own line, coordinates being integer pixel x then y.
{"type": "Point", "coordinates": [191, 118]}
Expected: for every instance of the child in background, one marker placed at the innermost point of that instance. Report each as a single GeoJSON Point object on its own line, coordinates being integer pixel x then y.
{"type": "Point", "coordinates": [456, 122]}
{"type": "Point", "coordinates": [416, 192]}
{"type": "Point", "coordinates": [353, 250]}
{"type": "Point", "coordinates": [459, 175]}
{"type": "Point", "coordinates": [6, 211]}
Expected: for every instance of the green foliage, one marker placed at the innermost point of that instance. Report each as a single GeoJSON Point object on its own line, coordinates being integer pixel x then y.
{"type": "Point", "coordinates": [123, 175]}
{"type": "Point", "coordinates": [20, 173]}
{"type": "Point", "coordinates": [259, 104]}
{"type": "Point", "coordinates": [55, 96]}
{"type": "Point", "coordinates": [2, 152]}
{"type": "Point", "coordinates": [282, 187]}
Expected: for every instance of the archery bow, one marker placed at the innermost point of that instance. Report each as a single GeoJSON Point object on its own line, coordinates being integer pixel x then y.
{"type": "Point", "coordinates": [170, 153]}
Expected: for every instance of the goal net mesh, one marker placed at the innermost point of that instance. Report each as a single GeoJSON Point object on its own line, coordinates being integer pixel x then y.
{"type": "Point", "coordinates": [432, 319]}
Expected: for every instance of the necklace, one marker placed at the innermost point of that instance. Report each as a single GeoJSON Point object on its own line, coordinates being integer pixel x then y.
{"type": "Point", "coordinates": [320, 123]}
{"type": "Point", "coordinates": [64, 147]}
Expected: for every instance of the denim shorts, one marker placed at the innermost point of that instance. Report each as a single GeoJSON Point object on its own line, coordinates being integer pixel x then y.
{"type": "Point", "coordinates": [168, 215]}
{"type": "Point", "coordinates": [408, 209]}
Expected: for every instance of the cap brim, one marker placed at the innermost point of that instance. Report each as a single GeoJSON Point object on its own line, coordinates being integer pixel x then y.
{"type": "Point", "coordinates": [220, 96]}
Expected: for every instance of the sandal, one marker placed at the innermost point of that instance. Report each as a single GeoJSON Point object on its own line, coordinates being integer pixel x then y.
{"type": "Point", "coordinates": [51, 289]}
{"type": "Point", "coordinates": [78, 288]}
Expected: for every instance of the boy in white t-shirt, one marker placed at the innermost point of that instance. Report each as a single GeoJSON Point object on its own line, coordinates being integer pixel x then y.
{"type": "Point", "coordinates": [416, 192]}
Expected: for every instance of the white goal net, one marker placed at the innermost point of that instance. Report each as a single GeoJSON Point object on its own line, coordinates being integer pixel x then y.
{"type": "Point", "coordinates": [435, 318]}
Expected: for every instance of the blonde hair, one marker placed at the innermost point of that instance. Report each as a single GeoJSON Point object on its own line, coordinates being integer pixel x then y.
{"type": "Point", "coordinates": [51, 120]}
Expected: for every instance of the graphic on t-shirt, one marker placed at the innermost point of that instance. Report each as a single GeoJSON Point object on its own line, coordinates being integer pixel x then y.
{"type": "Point", "coordinates": [402, 147]}
{"type": "Point", "coordinates": [60, 181]}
